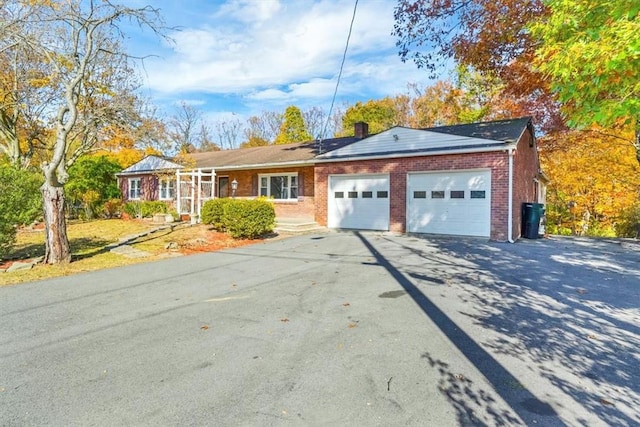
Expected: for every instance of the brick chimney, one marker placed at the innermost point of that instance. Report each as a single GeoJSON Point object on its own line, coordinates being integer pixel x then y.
{"type": "Point", "coordinates": [361, 130]}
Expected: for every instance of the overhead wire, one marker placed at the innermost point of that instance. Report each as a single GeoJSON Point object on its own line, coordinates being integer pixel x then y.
{"type": "Point", "coordinates": [335, 92]}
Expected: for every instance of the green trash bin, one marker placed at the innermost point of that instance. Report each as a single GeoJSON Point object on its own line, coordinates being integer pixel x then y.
{"type": "Point", "coordinates": [532, 213]}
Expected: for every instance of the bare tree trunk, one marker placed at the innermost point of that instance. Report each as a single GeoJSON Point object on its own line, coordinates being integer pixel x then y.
{"type": "Point", "coordinates": [56, 241]}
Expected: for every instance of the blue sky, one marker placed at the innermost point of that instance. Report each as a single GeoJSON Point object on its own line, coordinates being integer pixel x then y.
{"type": "Point", "coordinates": [238, 58]}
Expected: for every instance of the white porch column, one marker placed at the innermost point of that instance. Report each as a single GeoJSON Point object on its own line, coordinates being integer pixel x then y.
{"type": "Point", "coordinates": [199, 187]}
{"type": "Point", "coordinates": [178, 206]}
{"type": "Point", "coordinates": [193, 196]}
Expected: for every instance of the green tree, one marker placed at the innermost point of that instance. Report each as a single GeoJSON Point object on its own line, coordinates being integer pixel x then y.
{"type": "Point", "coordinates": [20, 203]}
{"type": "Point", "coordinates": [590, 49]}
{"type": "Point", "coordinates": [92, 181]}
{"type": "Point", "coordinates": [380, 115]}
{"type": "Point", "coordinates": [293, 128]}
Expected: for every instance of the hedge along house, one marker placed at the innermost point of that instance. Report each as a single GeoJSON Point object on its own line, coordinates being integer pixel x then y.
{"type": "Point", "coordinates": [466, 180]}
{"type": "Point", "coordinates": [284, 173]}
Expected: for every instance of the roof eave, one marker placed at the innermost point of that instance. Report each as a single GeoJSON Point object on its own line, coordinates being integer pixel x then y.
{"type": "Point", "coordinates": [469, 150]}
{"type": "Point", "coordinates": [260, 165]}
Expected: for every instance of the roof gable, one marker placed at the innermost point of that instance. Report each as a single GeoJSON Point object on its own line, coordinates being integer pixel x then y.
{"type": "Point", "coordinates": [151, 164]}
{"type": "Point", "coordinates": [400, 140]}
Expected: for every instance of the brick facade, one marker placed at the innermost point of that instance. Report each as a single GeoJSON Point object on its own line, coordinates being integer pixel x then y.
{"type": "Point", "coordinates": [248, 186]}
{"type": "Point", "coordinates": [525, 169]}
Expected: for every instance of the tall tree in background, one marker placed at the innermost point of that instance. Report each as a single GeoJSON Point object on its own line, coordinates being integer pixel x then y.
{"type": "Point", "coordinates": [293, 128]}
{"type": "Point", "coordinates": [315, 119]}
{"type": "Point", "coordinates": [590, 50]}
{"type": "Point", "coordinates": [379, 114]}
{"type": "Point", "coordinates": [228, 132]}
{"type": "Point", "coordinates": [183, 128]}
{"type": "Point", "coordinates": [206, 139]}
{"type": "Point", "coordinates": [489, 36]}
{"type": "Point", "coordinates": [77, 44]}
{"type": "Point", "coordinates": [261, 130]}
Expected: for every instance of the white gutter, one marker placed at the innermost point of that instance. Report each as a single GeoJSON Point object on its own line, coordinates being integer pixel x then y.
{"type": "Point", "coordinates": [509, 146]}
{"type": "Point", "coordinates": [510, 208]}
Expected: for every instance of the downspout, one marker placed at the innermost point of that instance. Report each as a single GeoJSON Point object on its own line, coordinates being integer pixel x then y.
{"type": "Point", "coordinates": [510, 208]}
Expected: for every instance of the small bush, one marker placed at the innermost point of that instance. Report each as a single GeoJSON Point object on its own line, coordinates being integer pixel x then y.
{"type": "Point", "coordinates": [145, 209]}
{"type": "Point", "coordinates": [240, 217]}
{"type": "Point", "coordinates": [628, 224]}
{"type": "Point", "coordinates": [112, 208]}
{"type": "Point", "coordinates": [20, 203]}
{"type": "Point", "coordinates": [249, 218]}
{"type": "Point", "coordinates": [213, 212]}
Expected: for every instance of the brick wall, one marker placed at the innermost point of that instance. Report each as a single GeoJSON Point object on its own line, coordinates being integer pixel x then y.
{"type": "Point", "coordinates": [397, 169]}
{"type": "Point", "coordinates": [148, 187]}
{"type": "Point", "coordinates": [248, 186]}
{"type": "Point", "coordinates": [525, 170]}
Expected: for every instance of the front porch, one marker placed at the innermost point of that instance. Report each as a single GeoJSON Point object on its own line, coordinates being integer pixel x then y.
{"type": "Point", "coordinates": [196, 186]}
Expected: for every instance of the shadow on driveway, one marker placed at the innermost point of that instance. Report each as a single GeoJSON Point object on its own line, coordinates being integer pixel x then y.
{"type": "Point", "coordinates": [565, 309]}
{"type": "Point", "coordinates": [459, 390]}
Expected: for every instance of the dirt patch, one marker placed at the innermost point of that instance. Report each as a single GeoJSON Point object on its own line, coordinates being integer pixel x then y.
{"type": "Point", "coordinates": [201, 238]}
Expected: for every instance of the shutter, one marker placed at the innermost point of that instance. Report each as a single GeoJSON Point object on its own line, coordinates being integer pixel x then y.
{"type": "Point", "coordinates": [300, 184]}
{"type": "Point", "coordinates": [255, 189]}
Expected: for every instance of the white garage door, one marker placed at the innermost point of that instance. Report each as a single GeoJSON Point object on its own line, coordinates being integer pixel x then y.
{"type": "Point", "coordinates": [457, 203]}
{"type": "Point", "coordinates": [359, 202]}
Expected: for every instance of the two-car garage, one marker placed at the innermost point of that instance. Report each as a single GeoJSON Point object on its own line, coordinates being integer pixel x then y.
{"type": "Point", "coordinates": [443, 202]}
{"type": "Point", "coordinates": [465, 180]}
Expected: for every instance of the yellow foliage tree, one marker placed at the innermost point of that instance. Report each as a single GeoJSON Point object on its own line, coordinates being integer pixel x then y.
{"type": "Point", "coordinates": [594, 178]}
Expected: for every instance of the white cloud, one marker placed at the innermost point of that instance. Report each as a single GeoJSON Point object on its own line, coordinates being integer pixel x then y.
{"type": "Point", "coordinates": [283, 52]}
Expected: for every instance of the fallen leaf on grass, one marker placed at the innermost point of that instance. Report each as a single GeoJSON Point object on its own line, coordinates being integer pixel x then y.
{"type": "Point", "coordinates": [204, 327]}
{"type": "Point", "coordinates": [606, 402]}
{"type": "Point", "coordinates": [284, 320]}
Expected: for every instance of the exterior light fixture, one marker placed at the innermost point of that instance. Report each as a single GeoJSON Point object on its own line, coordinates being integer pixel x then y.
{"type": "Point", "coordinates": [234, 187]}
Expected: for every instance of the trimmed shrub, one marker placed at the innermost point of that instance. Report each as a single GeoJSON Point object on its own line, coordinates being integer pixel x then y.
{"type": "Point", "coordinates": [145, 209]}
{"type": "Point", "coordinates": [20, 203]}
{"type": "Point", "coordinates": [248, 218]}
{"type": "Point", "coordinates": [213, 211]}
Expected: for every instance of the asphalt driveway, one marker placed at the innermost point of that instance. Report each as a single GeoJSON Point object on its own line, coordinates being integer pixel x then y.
{"type": "Point", "coordinates": [336, 328]}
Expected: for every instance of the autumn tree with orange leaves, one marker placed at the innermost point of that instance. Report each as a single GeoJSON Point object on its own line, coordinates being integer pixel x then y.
{"type": "Point", "coordinates": [488, 36]}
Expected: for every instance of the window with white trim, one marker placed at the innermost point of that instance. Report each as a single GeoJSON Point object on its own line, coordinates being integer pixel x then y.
{"type": "Point", "coordinates": [279, 186]}
{"type": "Point", "coordinates": [167, 188]}
{"type": "Point", "coordinates": [134, 189]}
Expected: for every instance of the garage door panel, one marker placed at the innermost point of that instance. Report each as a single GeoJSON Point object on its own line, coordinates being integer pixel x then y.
{"type": "Point", "coordinates": [452, 202]}
{"type": "Point", "coordinates": [359, 202]}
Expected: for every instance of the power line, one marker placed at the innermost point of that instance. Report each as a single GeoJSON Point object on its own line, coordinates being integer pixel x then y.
{"type": "Point", "coordinates": [335, 92]}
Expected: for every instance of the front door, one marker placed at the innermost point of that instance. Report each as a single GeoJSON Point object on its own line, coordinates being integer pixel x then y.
{"type": "Point", "coordinates": [223, 186]}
